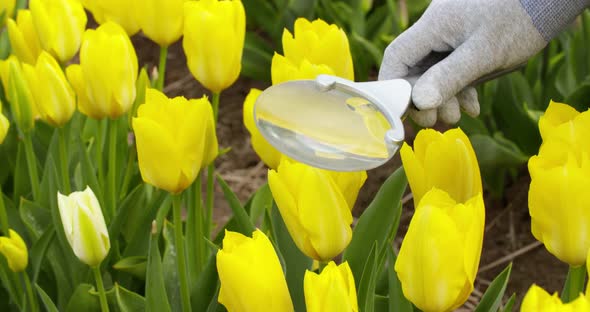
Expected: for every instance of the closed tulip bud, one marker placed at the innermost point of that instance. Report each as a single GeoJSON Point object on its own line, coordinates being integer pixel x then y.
{"type": "Point", "coordinates": [442, 160]}
{"type": "Point", "coordinates": [15, 251]}
{"type": "Point", "coordinates": [331, 290]}
{"type": "Point", "coordinates": [439, 256]}
{"type": "Point", "coordinates": [213, 41]}
{"type": "Point", "coordinates": [268, 153]}
{"type": "Point", "coordinates": [538, 300]}
{"type": "Point", "coordinates": [175, 140]}
{"type": "Point", "coordinates": [121, 12]}
{"type": "Point", "coordinates": [84, 226]}
{"type": "Point", "coordinates": [251, 275]}
{"type": "Point", "coordinates": [18, 94]}
{"type": "Point", "coordinates": [60, 25]}
{"type": "Point", "coordinates": [161, 21]}
{"type": "Point", "coordinates": [319, 43]}
{"type": "Point", "coordinates": [314, 208]}
{"type": "Point", "coordinates": [24, 41]}
{"type": "Point", "coordinates": [6, 9]}
{"type": "Point", "coordinates": [105, 79]}
{"type": "Point", "coordinates": [53, 94]}
{"type": "Point", "coordinates": [4, 125]}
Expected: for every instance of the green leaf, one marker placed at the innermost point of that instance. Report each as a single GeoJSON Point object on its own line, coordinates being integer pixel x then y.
{"type": "Point", "coordinates": [203, 291]}
{"type": "Point", "coordinates": [261, 202]}
{"type": "Point", "coordinates": [47, 302]}
{"type": "Point", "coordinates": [376, 222]}
{"type": "Point", "coordinates": [496, 152]}
{"type": "Point", "coordinates": [129, 214]}
{"type": "Point", "coordinates": [397, 301]}
{"type": "Point", "coordinates": [366, 288]}
{"type": "Point", "coordinates": [39, 251]}
{"type": "Point", "coordinates": [155, 289]}
{"type": "Point", "coordinates": [381, 303]}
{"type": "Point", "coordinates": [256, 58]}
{"type": "Point", "coordinates": [492, 298]}
{"type": "Point", "coordinates": [579, 97]}
{"type": "Point", "coordinates": [36, 218]}
{"type": "Point", "coordinates": [134, 265]}
{"type": "Point", "coordinates": [123, 300]}
{"type": "Point", "coordinates": [170, 268]}
{"type": "Point", "coordinates": [4, 44]}
{"type": "Point", "coordinates": [83, 300]}
{"type": "Point", "coordinates": [245, 226]}
{"type": "Point", "coordinates": [509, 304]}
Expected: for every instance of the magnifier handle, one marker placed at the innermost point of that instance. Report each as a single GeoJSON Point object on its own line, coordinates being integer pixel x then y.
{"type": "Point", "coordinates": [435, 57]}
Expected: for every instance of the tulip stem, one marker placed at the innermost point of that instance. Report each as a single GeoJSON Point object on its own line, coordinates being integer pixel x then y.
{"type": "Point", "coordinates": [215, 105]}
{"type": "Point", "coordinates": [32, 164]}
{"type": "Point", "coordinates": [211, 171]}
{"type": "Point", "coordinates": [32, 298]}
{"type": "Point", "coordinates": [574, 283]}
{"type": "Point", "coordinates": [180, 255]}
{"type": "Point", "coordinates": [3, 215]}
{"type": "Point", "coordinates": [63, 158]}
{"type": "Point", "coordinates": [112, 174]}
{"type": "Point", "coordinates": [104, 307]}
{"type": "Point", "coordinates": [99, 142]}
{"type": "Point", "coordinates": [162, 68]}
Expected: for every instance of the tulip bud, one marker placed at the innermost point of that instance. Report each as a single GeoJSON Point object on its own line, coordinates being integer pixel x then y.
{"type": "Point", "coordinates": [538, 300]}
{"type": "Point", "coordinates": [319, 43]}
{"type": "Point", "coordinates": [439, 256]}
{"type": "Point", "coordinates": [331, 290]}
{"type": "Point", "coordinates": [18, 94]}
{"type": "Point", "coordinates": [53, 94]}
{"type": "Point", "coordinates": [268, 153]}
{"type": "Point", "coordinates": [6, 9]}
{"type": "Point", "coordinates": [175, 139]}
{"type": "Point", "coordinates": [105, 79]}
{"type": "Point", "coordinates": [251, 275]}
{"type": "Point", "coordinates": [121, 12]}
{"type": "Point", "coordinates": [60, 25]}
{"type": "Point", "coordinates": [15, 250]}
{"type": "Point", "coordinates": [84, 226]}
{"type": "Point", "coordinates": [24, 41]}
{"type": "Point", "coordinates": [442, 160]}
{"type": "Point", "coordinates": [161, 21]}
{"type": "Point", "coordinates": [214, 57]}
{"type": "Point", "coordinates": [314, 208]}
{"type": "Point", "coordinates": [4, 125]}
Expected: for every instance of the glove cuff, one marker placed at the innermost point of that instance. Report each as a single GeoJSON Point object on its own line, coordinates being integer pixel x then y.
{"type": "Point", "coordinates": [551, 16]}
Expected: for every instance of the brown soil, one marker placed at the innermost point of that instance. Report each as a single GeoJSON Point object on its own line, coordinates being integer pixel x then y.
{"type": "Point", "coordinates": [507, 234]}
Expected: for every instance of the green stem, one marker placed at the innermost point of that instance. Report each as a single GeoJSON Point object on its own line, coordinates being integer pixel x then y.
{"type": "Point", "coordinates": [215, 105]}
{"type": "Point", "coordinates": [574, 283]}
{"type": "Point", "coordinates": [211, 173]}
{"type": "Point", "coordinates": [99, 142]}
{"type": "Point", "coordinates": [30, 295]}
{"type": "Point", "coordinates": [3, 214]}
{"type": "Point", "coordinates": [198, 210]}
{"type": "Point", "coordinates": [180, 255]}
{"type": "Point", "coordinates": [128, 171]}
{"type": "Point", "coordinates": [32, 164]}
{"type": "Point", "coordinates": [112, 174]}
{"type": "Point", "coordinates": [63, 158]}
{"type": "Point", "coordinates": [104, 307]}
{"type": "Point", "coordinates": [162, 68]}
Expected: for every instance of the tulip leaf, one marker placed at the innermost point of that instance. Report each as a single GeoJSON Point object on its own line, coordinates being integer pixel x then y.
{"type": "Point", "coordinates": [170, 268]}
{"type": "Point", "coordinates": [261, 202]}
{"type": "Point", "coordinates": [83, 300]}
{"type": "Point", "coordinates": [87, 169]}
{"type": "Point", "coordinates": [579, 97]}
{"type": "Point", "coordinates": [134, 265]}
{"type": "Point", "coordinates": [509, 304]}
{"type": "Point", "coordinates": [257, 57]}
{"type": "Point", "coordinates": [366, 287]}
{"type": "Point", "coordinates": [130, 212]}
{"type": "Point", "coordinates": [376, 222]}
{"type": "Point", "coordinates": [492, 298]}
{"type": "Point", "coordinates": [47, 302]}
{"type": "Point", "coordinates": [35, 217]}
{"type": "Point", "coordinates": [155, 288]}
{"type": "Point", "coordinates": [203, 291]}
{"type": "Point", "coordinates": [125, 300]}
{"type": "Point", "coordinates": [496, 152]}
{"type": "Point", "coordinates": [138, 229]}
{"type": "Point", "coordinates": [397, 301]}
{"type": "Point", "coordinates": [245, 226]}
{"type": "Point", "coordinates": [381, 303]}
{"type": "Point", "coordinates": [39, 251]}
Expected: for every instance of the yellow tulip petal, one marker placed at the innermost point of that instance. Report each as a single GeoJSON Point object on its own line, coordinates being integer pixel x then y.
{"type": "Point", "coordinates": [555, 115]}
{"type": "Point", "coordinates": [329, 291]}
{"type": "Point", "coordinates": [537, 299]}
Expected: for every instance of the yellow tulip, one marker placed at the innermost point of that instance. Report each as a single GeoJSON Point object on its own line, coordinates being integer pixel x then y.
{"type": "Point", "coordinates": [161, 21]}
{"type": "Point", "coordinates": [18, 93]}
{"type": "Point", "coordinates": [268, 153]}
{"type": "Point", "coordinates": [15, 250]}
{"type": "Point", "coordinates": [175, 139]}
{"type": "Point", "coordinates": [213, 41]}
{"type": "Point", "coordinates": [120, 12]}
{"type": "Point", "coordinates": [316, 211]}
{"type": "Point", "coordinates": [84, 226]}
{"type": "Point", "coordinates": [331, 290]}
{"type": "Point", "coordinates": [53, 94]}
{"type": "Point", "coordinates": [24, 41]}
{"type": "Point", "coordinates": [7, 9]}
{"type": "Point", "coordinates": [283, 69]}
{"type": "Point", "coordinates": [60, 25]}
{"type": "Point", "coordinates": [105, 78]}
{"type": "Point", "coordinates": [538, 300]}
{"type": "Point", "coordinates": [319, 43]}
{"type": "Point", "coordinates": [251, 275]}
{"type": "Point", "coordinates": [439, 256]}
{"type": "Point", "coordinates": [4, 125]}
{"type": "Point", "coordinates": [442, 160]}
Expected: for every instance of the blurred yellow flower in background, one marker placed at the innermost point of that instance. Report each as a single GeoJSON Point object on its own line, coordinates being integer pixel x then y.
{"type": "Point", "coordinates": [538, 300]}
{"type": "Point", "coordinates": [18, 93]}
{"type": "Point", "coordinates": [331, 290]}
{"type": "Point", "coordinates": [161, 21]}
{"type": "Point", "coordinates": [251, 275]}
{"type": "Point", "coordinates": [22, 34]}
{"type": "Point", "coordinates": [4, 125]}
{"type": "Point", "coordinates": [6, 9]}
{"type": "Point", "coordinates": [175, 139]}
{"type": "Point", "coordinates": [15, 250]}
{"type": "Point", "coordinates": [121, 12]}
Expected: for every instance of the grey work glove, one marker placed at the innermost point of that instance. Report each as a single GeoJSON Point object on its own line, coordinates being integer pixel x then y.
{"type": "Point", "coordinates": [485, 36]}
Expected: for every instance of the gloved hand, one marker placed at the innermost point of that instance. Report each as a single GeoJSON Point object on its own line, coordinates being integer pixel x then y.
{"type": "Point", "coordinates": [484, 35]}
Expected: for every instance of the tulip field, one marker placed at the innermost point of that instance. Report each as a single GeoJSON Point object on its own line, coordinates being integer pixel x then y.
{"type": "Point", "coordinates": [133, 176]}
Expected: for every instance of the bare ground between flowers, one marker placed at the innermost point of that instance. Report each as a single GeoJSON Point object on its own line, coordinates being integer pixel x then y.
{"type": "Point", "coordinates": [507, 235]}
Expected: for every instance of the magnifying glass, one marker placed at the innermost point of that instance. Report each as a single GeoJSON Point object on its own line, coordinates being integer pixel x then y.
{"type": "Point", "coordinates": [337, 124]}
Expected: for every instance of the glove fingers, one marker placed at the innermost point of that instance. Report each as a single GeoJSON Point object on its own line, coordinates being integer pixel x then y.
{"type": "Point", "coordinates": [449, 112]}
{"type": "Point", "coordinates": [468, 101]}
{"type": "Point", "coordinates": [406, 50]}
{"type": "Point", "coordinates": [424, 118]}
{"type": "Point", "coordinates": [449, 76]}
